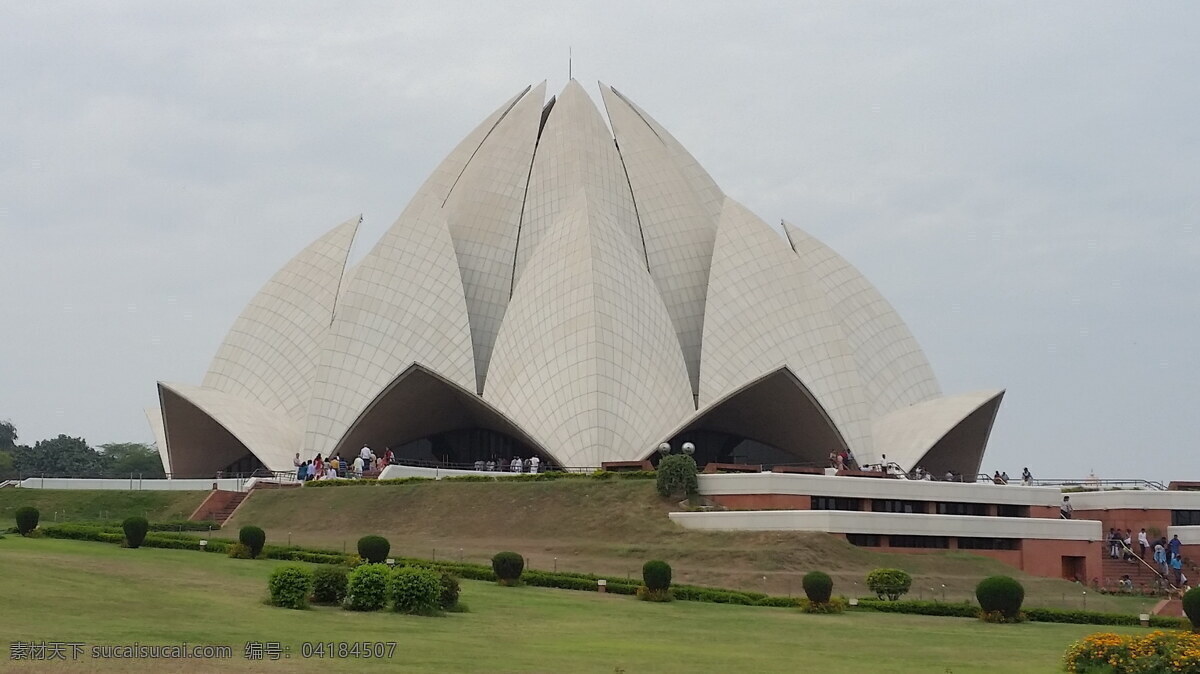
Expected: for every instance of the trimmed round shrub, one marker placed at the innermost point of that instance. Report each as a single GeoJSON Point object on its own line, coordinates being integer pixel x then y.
{"type": "Point", "coordinates": [290, 586]}
{"type": "Point", "coordinates": [1191, 607]}
{"type": "Point", "coordinates": [367, 588]}
{"type": "Point", "coordinates": [414, 590]}
{"type": "Point", "coordinates": [135, 529]}
{"type": "Point", "coordinates": [818, 587]}
{"type": "Point", "coordinates": [448, 595]}
{"type": "Point", "coordinates": [329, 584]}
{"type": "Point", "coordinates": [890, 584]}
{"type": "Point", "coordinates": [656, 574]}
{"type": "Point", "coordinates": [676, 476]}
{"type": "Point", "coordinates": [1000, 594]}
{"type": "Point", "coordinates": [508, 567]}
{"type": "Point", "coordinates": [27, 519]}
{"type": "Point", "coordinates": [374, 548]}
{"type": "Point", "coordinates": [253, 538]}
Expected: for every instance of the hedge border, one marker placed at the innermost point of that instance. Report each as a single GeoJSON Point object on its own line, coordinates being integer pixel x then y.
{"type": "Point", "coordinates": [586, 582]}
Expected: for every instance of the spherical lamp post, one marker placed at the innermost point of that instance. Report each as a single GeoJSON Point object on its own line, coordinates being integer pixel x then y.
{"type": "Point", "coordinates": [689, 448]}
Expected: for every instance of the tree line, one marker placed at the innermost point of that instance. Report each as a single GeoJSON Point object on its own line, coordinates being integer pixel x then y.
{"type": "Point", "coordinates": [65, 456]}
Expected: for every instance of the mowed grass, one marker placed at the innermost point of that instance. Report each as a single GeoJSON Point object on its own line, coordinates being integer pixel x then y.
{"type": "Point", "coordinates": [103, 594]}
{"type": "Point", "coordinates": [612, 528]}
{"type": "Point", "coordinates": [91, 504]}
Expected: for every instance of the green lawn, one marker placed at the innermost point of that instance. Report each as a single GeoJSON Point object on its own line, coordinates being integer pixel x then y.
{"type": "Point", "coordinates": [56, 590]}
{"type": "Point", "coordinates": [81, 505]}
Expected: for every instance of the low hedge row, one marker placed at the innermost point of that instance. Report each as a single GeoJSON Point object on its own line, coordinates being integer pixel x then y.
{"type": "Point", "coordinates": [934, 608]}
{"type": "Point", "coordinates": [1044, 615]}
{"type": "Point", "coordinates": [587, 582]}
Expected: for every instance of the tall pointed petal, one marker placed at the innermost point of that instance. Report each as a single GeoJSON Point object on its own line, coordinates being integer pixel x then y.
{"type": "Point", "coordinates": [575, 152]}
{"type": "Point", "coordinates": [895, 373]}
{"type": "Point", "coordinates": [404, 305]}
{"type": "Point", "coordinates": [484, 214]}
{"type": "Point", "coordinates": [766, 310]}
{"type": "Point", "coordinates": [677, 227]}
{"type": "Point", "coordinates": [701, 183]}
{"type": "Point", "coordinates": [270, 353]}
{"type": "Point", "coordinates": [587, 360]}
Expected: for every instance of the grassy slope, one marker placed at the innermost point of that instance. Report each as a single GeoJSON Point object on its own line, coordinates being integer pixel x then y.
{"type": "Point", "coordinates": [611, 528]}
{"type": "Point", "coordinates": [97, 593]}
{"type": "Point", "coordinates": [81, 504]}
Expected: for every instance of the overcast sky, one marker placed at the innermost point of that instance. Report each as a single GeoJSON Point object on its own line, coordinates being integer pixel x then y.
{"type": "Point", "coordinates": [1019, 179]}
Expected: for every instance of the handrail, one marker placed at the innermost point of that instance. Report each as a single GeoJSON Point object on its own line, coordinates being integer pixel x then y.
{"type": "Point", "coordinates": [1097, 484]}
{"type": "Point", "coordinates": [1129, 551]}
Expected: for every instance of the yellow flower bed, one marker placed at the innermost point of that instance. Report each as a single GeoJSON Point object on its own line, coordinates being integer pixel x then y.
{"type": "Point", "coordinates": [1159, 651]}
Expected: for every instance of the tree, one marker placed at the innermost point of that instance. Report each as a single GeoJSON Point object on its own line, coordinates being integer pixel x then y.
{"type": "Point", "coordinates": [6, 465]}
{"type": "Point", "coordinates": [124, 458]}
{"type": "Point", "coordinates": [61, 456]}
{"type": "Point", "coordinates": [8, 435]}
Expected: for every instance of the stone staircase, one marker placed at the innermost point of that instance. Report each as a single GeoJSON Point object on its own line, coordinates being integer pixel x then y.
{"type": "Point", "coordinates": [222, 516]}
{"type": "Point", "coordinates": [219, 506]}
{"type": "Point", "coordinates": [1112, 570]}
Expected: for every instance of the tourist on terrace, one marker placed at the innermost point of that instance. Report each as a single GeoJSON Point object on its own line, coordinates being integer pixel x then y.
{"type": "Point", "coordinates": [1004, 477]}
{"type": "Point", "coordinates": [1026, 477]}
{"type": "Point", "coordinates": [1128, 545]}
{"type": "Point", "coordinates": [359, 463]}
{"type": "Point", "coordinates": [388, 458]}
{"type": "Point", "coordinates": [1066, 509]}
{"type": "Point", "coordinates": [515, 466]}
{"type": "Point", "coordinates": [1143, 543]}
{"type": "Point", "coordinates": [365, 454]}
{"type": "Point", "coordinates": [1173, 548]}
{"type": "Point", "coordinates": [491, 465]}
{"type": "Point", "coordinates": [996, 479]}
{"type": "Point", "coordinates": [534, 462]}
{"type": "Point", "coordinates": [1177, 570]}
{"type": "Point", "coordinates": [949, 476]}
{"type": "Point", "coordinates": [1160, 555]}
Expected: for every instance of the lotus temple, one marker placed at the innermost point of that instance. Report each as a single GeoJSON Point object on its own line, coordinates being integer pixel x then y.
{"type": "Point", "coordinates": [572, 285]}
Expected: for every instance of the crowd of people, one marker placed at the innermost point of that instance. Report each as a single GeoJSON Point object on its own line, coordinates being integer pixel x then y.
{"type": "Point", "coordinates": [518, 465]}
{"type": "Point", "coordinates": [1164, 555]}
{"type": "Point", "coordinates": [839, 459]}
{"type": "Point", "coordinates": [335, 467]}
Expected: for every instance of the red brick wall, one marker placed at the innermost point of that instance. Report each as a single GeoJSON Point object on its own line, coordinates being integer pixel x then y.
{"type": "Point", "coordinates": [1128, 518]}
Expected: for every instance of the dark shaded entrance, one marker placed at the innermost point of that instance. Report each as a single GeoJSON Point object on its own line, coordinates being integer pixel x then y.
{"type": "Point", "coordinates": [773, 420]}
{"type": "Point", "coordinates": [424, 417]}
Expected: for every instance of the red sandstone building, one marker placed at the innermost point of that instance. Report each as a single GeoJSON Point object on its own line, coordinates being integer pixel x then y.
{"type": "Point", "coordinates": [1017, 525]}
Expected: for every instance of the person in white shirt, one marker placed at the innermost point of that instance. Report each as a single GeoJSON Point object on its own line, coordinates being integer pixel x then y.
{"type": "Point", "coordinates": [1143, 543]}
{"type": "Point", "coordinates": [365, 454]}
{"type": "Point", "coordinates": [533, 464]}
{"type": "Point", "coordinates": [358, 467]}
{"type": "Point", "coordinates": [515, 466]}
